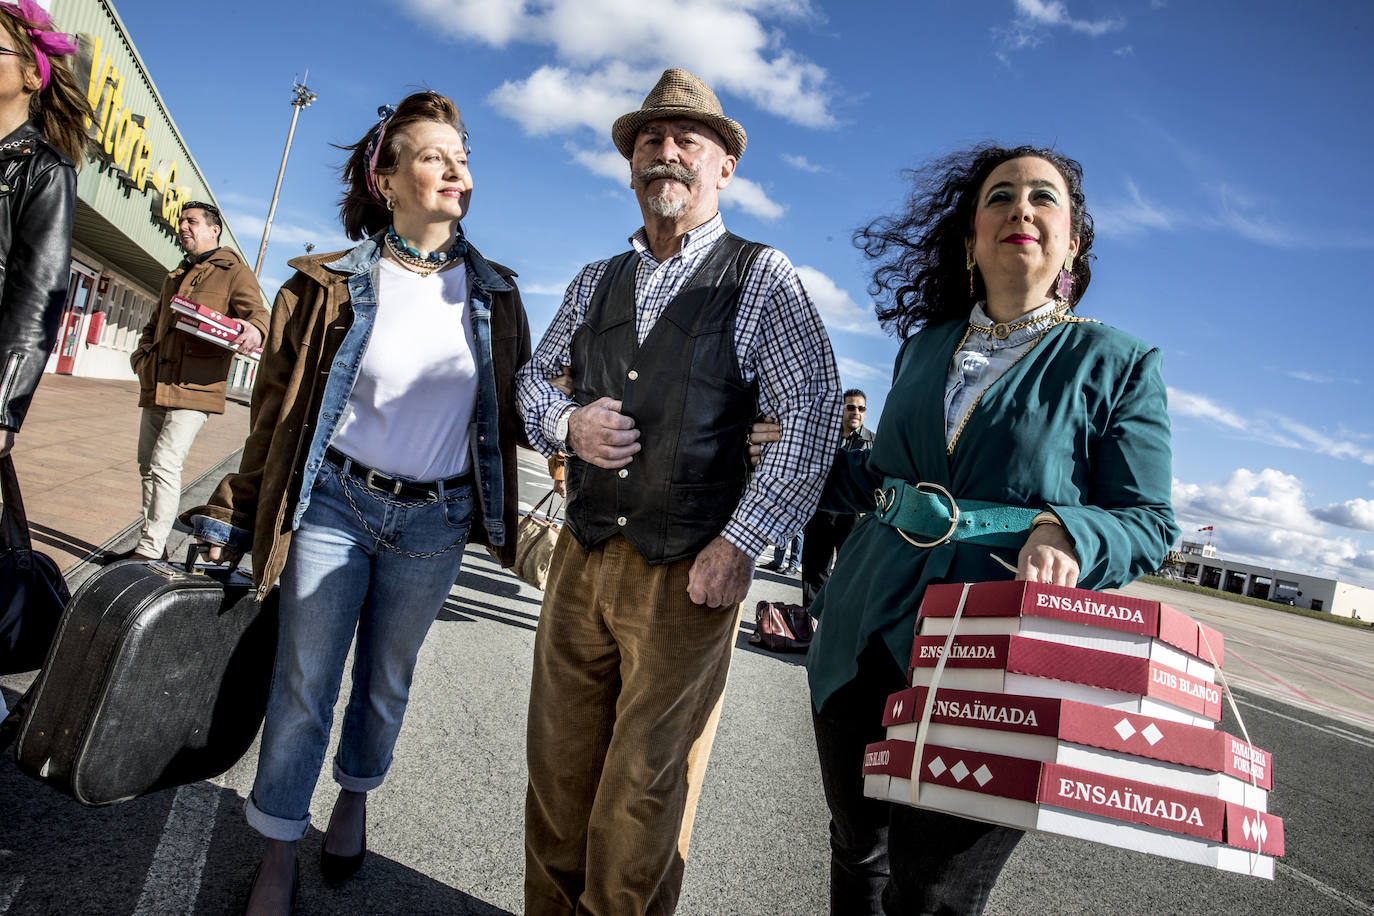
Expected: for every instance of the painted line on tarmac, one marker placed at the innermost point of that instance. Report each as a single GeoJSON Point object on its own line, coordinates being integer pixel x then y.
{"type": "Point", "coordinates": [1299, 665]}
{"type": "Point", "coordinates": [1352, 737]}
{"type": "Point", "coordinates": [1355, 904]}
{"type": "Point", "coordinates": [8, 894]}
{"type": "Point", "coordinates": [173, 880]}
{"type": "Point", "coordinates": [1268, 674]}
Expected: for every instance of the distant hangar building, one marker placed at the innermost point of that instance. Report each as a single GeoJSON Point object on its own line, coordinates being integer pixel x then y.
{"type": "Point", "coordinates": [1200, 564]}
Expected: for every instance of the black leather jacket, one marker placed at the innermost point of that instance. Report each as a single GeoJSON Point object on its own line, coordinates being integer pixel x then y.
{"type": "Point", "coordinates": [37, 206]}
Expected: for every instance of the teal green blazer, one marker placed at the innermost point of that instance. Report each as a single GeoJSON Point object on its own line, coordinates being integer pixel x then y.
{"type": "Point", "coordinates": [1079, 425]}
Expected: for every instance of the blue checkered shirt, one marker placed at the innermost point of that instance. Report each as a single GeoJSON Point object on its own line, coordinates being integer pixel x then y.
{"type": "Point", "coordinates": [779, 339]}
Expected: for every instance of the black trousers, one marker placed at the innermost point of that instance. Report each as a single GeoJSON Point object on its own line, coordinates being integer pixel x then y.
{"type": "Point", "coordinates": [823, 536]}
{"type": "Point", "coordinates": [888, 859]}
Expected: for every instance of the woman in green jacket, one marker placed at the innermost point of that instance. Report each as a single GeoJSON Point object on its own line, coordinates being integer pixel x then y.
{"type": "Point", "coordinates": [1050, 426]}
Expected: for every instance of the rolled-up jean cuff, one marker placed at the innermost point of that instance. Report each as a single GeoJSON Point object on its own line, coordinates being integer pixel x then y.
{"type": "Point", "coordinates": [356, 783]}
{"type": "Point", "coordinates": [273, 827]}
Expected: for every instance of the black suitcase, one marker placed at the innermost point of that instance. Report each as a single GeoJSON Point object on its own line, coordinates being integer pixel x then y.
{"type": "Point", "coordinates": [158, 676]}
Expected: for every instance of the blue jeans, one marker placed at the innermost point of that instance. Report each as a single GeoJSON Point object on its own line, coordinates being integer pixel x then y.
{"type": "Point", "coordinates": [366, 561]}
{"type": "Point", "coordinates": [887, 858]}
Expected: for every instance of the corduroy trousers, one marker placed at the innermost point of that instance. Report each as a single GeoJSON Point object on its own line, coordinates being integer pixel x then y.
{"type": "Point", "coordinates": [628, 680]}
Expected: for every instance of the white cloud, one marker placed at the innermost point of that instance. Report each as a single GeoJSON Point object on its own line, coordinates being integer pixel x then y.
{"type": "Point", "coordinates": [838, 309]}
{"type": "Point", "coordinates": [1187, 404]}
{"type": "Point", "coordinates": [802, 163]}
{"type": "Point", "coordinates": [737, 46]}
{"type": "Point", "coordinates": [1035, 18]}
{"type": "Point", "coordinates": [606, 163]}
{"type": "Point", "coordinates": [853, 369]}
{"type": "Point", "coordinates": [1051, 13]}
{"type": "Point", "coordinates": [1263, 518]}
{"type": "Point", "coordinates": [1125, 51]}
{"type": "Point", "coordinates": [247, 228]}
{"type": "Point", "coordinates": [1353, 513]}
{"type": "Point", "coordinates": [1271, 428]}
{"type": "Point", "coordinates": [561, 100]}
{"type": "Point", "coordinates": [543, 289]}
{"type": "Point", "coordinates": [750, 197]}
{"type": "Point", "coordinates": [1310, 377]}
{"type": "Point", "coordinates": [1132, 216]}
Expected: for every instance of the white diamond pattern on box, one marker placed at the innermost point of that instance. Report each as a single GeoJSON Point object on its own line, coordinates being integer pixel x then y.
{"type": "Point", "coordinates": [959, 771]}
{"type": "Point", "coordinates": [937, 766]}
{"type": "Point", "coordinates": [1125, 729]}
{"type": "Point", "coordinates": [897, 710]}
{"type": "Point", "coordinates": [1254, 829]}
{"type": "Point", "coordinates": [983, 775]}
{"type": "Point", "coordinates": [1153, 734]}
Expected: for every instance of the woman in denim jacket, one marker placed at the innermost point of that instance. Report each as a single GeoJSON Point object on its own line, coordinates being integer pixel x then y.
{"type": "Point", "coordinates": [383, 431]}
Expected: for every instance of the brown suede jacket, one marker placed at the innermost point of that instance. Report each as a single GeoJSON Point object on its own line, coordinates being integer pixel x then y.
{"type": "Point", "coordinates": [176, 369]}
{"type": "Point", "coordinates": [310, 317]}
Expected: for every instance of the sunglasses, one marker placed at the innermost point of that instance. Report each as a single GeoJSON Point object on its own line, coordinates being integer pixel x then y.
{"type": "Point", "coordinates": [860, 408]}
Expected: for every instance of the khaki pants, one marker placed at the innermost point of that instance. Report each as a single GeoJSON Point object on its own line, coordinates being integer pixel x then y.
{"type": "Point", "coordinates": [164, 437]}
{"type": "Point", "coordinates": [629, 675]}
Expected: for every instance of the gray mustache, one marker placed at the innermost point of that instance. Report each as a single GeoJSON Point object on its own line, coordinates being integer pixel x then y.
{"type": "Point", "coordinates": [650, 173]}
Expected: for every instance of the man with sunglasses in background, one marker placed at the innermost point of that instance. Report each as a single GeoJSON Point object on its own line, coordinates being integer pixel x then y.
{"type": "Point", "coordinates": [826, 532]}
{"type": "Point", "coordinates": [183, 379]}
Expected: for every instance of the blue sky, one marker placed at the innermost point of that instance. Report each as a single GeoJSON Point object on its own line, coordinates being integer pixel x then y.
{"type": "Point", "coordinates": [1225, 146]}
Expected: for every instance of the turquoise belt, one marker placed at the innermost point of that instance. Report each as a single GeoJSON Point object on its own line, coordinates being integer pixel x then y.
{"type": "Point", "coordinates": [927, 515]}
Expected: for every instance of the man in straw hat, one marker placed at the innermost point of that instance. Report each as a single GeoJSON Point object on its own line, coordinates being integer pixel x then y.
{"type": "Point", "coordinates": [675, 347]}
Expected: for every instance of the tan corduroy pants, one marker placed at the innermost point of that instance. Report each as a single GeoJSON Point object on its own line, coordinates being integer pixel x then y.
{"type": "Point", "coordinates": [628, 680]}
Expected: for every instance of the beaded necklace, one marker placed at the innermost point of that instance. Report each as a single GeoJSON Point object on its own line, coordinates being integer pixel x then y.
{"type": "Point", "coordinates": [424, 265]}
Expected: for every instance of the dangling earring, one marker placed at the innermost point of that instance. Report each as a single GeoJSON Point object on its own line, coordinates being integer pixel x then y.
{"type": "Point", "coordinates": [1064, 288]}
{"type": "Point", "coordinates": [390, 204]}
{"type": "Point", "coordinates": [970, 263]}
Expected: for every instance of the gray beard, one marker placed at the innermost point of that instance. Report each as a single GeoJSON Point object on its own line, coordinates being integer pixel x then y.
{"type": "Point", "coordinates": [664, 208]}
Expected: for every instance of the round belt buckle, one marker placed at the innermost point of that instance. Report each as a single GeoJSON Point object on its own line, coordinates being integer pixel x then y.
{"type": "Point", "coordinates": [953, 516]}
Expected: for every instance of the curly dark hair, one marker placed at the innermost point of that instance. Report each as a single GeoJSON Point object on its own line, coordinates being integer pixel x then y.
{"type": "Point", "coordinates": [362, 214]}
{"type": "Point", "coordinates": [920, 252]}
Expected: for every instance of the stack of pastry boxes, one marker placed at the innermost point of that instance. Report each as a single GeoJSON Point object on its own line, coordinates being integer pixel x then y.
{"type": "Point", "coordinates": [1078, 713]}
{"type": "Point", "coordinates": [208, 324]}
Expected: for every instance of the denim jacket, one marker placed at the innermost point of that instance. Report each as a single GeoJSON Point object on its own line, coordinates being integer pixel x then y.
{"type": "Point", "coordinates": [320, 328]}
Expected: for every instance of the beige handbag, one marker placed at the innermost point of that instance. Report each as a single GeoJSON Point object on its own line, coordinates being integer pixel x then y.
{"type": "Point", "coordinates": [535, 538]}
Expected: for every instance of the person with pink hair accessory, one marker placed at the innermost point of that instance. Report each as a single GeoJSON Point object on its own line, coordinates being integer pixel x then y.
{"type": "Point", "coordinates": [42, 137]}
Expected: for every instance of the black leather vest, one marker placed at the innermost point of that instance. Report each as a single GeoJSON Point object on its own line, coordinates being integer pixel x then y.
{"type": "Point", "coordinates": [684, 390]}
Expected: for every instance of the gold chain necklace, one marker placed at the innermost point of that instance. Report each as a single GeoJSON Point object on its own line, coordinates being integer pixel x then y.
{"type": "Point", "coordinates": [1060, 316]}
{"type": "Point", "coordinates": [1001, 330]}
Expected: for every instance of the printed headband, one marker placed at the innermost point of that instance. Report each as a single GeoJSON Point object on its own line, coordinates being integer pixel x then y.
{"type": "Point", "coordinates": [374, 148]}
{"type": "Point", "coordinates": [38, 24]}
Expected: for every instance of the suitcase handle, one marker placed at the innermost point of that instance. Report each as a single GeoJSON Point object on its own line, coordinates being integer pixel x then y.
{"type": "Point", "coordinates": [192, 549]}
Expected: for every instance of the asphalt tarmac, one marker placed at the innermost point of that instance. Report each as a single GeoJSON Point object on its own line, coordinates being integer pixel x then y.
{"type": "Point", "coordinates": [445, 831]}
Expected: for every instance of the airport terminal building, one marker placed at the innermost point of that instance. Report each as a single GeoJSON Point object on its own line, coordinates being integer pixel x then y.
{"type": "Point", "coordinates": [1200, 564]}
{"type": "Point", "coordinates": [129, 198]}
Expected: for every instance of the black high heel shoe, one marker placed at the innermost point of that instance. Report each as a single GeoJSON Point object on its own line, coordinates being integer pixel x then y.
{"type": "Point", "coordinates": [295, 886]}
{"type": "Point", "coordinates": [336, 869]}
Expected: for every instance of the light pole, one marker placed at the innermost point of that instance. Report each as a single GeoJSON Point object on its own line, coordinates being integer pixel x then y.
{"type": "Point", "coordinates": [301, 97]}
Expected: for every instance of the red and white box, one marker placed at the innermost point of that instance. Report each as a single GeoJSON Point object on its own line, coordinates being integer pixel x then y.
{"type": "Point", "coordinates": [217, 335]}
{"type": "Point", "coordinates": [1054, 798]}
{"type": "Point", "coordinates": [1075, 616]}
{"type": "Point", "coordinates": [198, 312]}
{"type": "Point", "coordinates": [1158, 751]}
{"type": "Point", "coordinates": [1035, 667]}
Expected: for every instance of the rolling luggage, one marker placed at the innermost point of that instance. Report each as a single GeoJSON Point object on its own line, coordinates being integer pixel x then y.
{"type": "Point", "coordinates": [158, 676]}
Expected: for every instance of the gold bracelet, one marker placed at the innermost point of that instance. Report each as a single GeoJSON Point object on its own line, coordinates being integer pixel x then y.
{"type": "Point", "coordinates": [1045, 518]}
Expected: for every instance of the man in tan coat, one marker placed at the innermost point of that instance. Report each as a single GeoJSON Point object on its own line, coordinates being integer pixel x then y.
{"type": "Point", "coordinates": [182, 379]}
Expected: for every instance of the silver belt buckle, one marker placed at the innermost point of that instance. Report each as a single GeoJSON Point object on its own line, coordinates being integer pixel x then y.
{"type": "Point", "coordinates": [370, 479]}
{"type": "Point", "coordinates": [953, 516]}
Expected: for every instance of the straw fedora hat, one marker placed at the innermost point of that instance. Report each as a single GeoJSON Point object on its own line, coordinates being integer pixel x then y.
{"type": "Point", "coordinates": [679, 94]}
